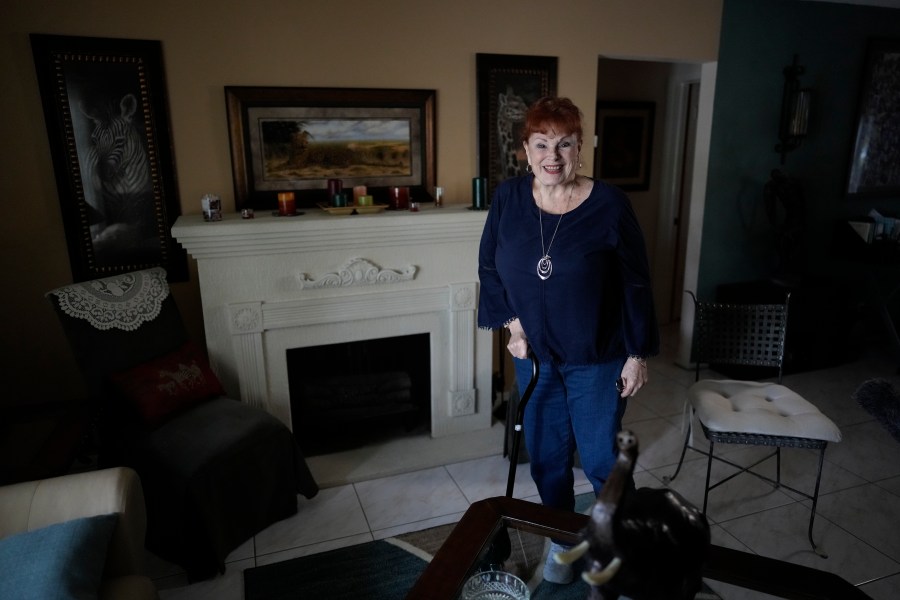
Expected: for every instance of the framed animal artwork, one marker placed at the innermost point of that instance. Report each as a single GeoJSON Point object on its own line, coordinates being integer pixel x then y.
{"type": "Point", "coordinates": [107, 119]}
{"type": "Point", "coordinates": [297, 139]}
{"type": "Point", "coordinates": [506, 85]}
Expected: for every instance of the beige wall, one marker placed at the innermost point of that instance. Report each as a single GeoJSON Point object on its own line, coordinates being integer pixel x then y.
{"type": "Point", "coordinates": [341, 43]}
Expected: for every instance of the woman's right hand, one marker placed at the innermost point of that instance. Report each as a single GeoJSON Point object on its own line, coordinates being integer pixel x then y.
{"type": "Point", "coordinates": [518, 341]}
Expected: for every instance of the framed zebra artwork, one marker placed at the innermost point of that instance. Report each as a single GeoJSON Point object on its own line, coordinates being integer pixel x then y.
{"type": "Point", "coordinates": [297, 139]}
{"type": "Point", "coordinates": [506, 85]}
{"type": "Point", "coordinates": [106, 112]}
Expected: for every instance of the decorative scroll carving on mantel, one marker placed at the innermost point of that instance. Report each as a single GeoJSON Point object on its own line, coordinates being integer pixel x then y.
{"type": "Point", "coordinates": [358, 271]}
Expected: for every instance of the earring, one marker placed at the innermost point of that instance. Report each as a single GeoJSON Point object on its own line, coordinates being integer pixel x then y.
{"type": "Point", "coordinates": [528, 167]}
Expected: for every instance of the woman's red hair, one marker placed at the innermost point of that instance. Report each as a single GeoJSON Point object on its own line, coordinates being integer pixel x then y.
{"type": "Point", "coordinates": [550, 114]}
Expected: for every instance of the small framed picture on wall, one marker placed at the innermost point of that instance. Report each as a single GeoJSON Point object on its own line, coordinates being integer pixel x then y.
{"type": "Point", "coordinates": [625, 144]}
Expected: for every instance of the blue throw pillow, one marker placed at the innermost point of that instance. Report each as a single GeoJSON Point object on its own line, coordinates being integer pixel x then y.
{"type": "Point", "coordinates": [56, 562]}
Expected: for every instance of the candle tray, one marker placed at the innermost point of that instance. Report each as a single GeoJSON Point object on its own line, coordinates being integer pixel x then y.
{"type": "Point", "coordinates": [350, 210]}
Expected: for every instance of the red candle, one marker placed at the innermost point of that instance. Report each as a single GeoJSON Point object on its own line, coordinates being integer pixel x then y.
{"type": "Point", "coordinates": [398, 198]}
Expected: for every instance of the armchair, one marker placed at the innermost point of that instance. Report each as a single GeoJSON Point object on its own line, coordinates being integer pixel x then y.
{"type": "Point", "coordinates": [215, 471]}
{"type": "Point", "coordinates": [33, 505]}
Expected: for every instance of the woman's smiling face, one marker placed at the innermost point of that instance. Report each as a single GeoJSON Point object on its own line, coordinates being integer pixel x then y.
{"type": "Point", "coordinates": [553, 157]}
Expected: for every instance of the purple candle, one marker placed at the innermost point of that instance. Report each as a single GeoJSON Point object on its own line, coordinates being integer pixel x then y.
{"type": "Point", "coordinates": [335, 186]}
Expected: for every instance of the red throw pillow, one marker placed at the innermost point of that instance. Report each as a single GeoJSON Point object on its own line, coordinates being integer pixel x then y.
{"type": "Point", "coordinates": [165, 386]}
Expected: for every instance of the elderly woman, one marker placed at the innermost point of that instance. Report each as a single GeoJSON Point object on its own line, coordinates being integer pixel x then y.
{"type": "Point", "coordinates": [563, 266]}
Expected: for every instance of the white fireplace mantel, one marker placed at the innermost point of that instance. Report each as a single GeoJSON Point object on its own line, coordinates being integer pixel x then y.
{"type": "Point", "coordinates": [272, 283]}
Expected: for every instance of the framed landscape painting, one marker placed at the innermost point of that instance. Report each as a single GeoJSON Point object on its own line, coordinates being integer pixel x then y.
{"type": "Point", "coordinates": [296, 139]}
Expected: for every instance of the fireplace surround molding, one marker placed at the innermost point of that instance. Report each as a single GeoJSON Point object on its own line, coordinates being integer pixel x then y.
{"type": "Point", "coordinates": [271, 284]}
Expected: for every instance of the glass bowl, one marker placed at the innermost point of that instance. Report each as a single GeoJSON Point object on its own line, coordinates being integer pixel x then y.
{"type": "Point", "coordinates": [495, 585]}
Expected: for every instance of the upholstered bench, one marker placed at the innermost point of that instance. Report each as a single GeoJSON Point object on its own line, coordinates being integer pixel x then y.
{"type": "Point", "coordinates": [735, 408]}
{"type": "Point", "coordinates": [761, 414]}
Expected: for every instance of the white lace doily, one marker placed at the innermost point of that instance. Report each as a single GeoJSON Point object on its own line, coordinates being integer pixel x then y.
{"type": "Point", "coordinates": [124, 301]}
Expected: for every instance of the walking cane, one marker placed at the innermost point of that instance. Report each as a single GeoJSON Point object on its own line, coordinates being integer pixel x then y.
{"type": "Point", "coordinates": [501, 548]}
{"type": "Point", "coordinates": [520, 416]}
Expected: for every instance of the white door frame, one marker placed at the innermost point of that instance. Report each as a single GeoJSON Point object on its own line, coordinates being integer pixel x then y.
{"type": "Point", "coordinates": [694, 226]}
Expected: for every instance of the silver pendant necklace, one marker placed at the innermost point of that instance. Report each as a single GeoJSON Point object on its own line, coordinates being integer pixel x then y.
{"type": "Point", "coordinates": [544, 264]}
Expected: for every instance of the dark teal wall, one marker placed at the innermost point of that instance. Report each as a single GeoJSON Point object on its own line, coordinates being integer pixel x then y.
{"type": "Point", "coordinates": [760, 38]}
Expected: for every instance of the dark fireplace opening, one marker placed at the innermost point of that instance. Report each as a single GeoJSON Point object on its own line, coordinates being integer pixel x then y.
{"type": "Point", "coordinates": [351, 394]}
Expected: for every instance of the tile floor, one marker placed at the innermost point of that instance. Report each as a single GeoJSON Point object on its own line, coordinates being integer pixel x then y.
{"type": "Point", "coordinates": [857, 523]}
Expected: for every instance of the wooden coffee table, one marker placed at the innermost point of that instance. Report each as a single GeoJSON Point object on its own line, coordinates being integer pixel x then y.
{"type": "Point", "coordinates": [469, 541]}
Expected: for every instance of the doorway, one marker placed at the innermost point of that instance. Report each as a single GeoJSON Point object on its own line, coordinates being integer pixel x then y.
{"type": "Point", "coordinates": [663, 210]}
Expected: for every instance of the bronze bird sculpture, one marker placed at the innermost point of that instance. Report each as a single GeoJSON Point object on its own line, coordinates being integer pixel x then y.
{"type": "Point", "coordinates": [646, 544]}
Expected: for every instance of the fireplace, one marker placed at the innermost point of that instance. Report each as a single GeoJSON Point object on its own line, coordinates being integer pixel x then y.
{"type": "Point", "coordinates": [271, 285]}
{"type": "Point", "coordinates": [352, 394]}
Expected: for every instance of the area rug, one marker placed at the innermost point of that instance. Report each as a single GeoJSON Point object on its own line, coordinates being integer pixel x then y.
{"type": "Point", "coordinates": [378, 570]}
{"type": "Point", "coordinates": [388, 569]}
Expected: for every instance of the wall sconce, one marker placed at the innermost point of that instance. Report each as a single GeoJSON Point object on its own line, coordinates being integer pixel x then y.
{"type": "Point", "coordinates": [795, 102]}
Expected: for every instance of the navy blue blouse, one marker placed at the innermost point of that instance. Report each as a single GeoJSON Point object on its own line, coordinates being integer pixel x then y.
{"type": "Point", "coordinates": [597, 305]}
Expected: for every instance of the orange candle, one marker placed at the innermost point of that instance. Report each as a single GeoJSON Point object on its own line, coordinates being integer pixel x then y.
{"type": "Point", "coordinates": [286, 204]}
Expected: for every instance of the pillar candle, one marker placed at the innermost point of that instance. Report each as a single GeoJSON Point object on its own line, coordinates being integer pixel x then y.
{"type": "Point", "coordinates": [358, 192]}
{"type": "Point", "coordinates": [335, 186]}
{"type": "Point", "coordinates": [398, 198]}
{"type": "Point", "coordinates": [286, 204]}
{"type": "Point", "coordinates": [365, 200]}
{"type": "Point", "coordinates": [479, 193]}
{"type": "Point", "coordinates": [339, 200]}
{"type": "Point", "coordinates": [393, 197]}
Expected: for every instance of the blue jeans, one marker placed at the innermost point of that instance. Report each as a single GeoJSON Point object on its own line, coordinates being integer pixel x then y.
{"type": "Point", "coordinates": [571, 406]}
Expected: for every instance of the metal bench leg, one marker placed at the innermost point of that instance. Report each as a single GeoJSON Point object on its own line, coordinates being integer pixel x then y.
{"type": "Point", "coordinates": [815, 501]}
{"type": "Point", "coordinates": [687, 438]}
{"type": "Point", "coordinates": [777, 467]}
{"type": "Point", "coordinates": [708, 473]}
